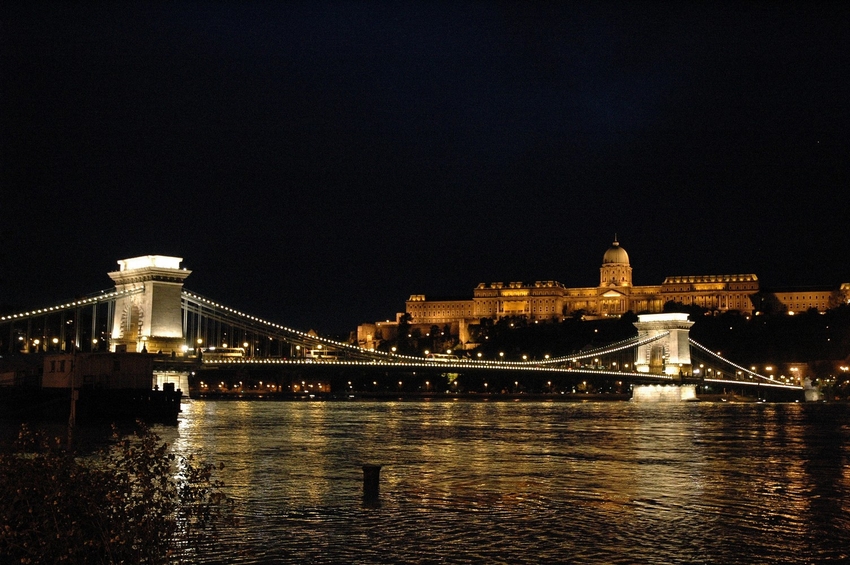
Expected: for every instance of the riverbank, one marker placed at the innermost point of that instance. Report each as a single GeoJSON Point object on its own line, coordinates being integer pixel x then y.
{"type": "Point", "coordinates": [90, 405]}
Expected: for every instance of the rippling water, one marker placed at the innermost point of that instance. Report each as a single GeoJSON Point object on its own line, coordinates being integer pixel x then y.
{"type": "Point", "coordinates": [529, 482]}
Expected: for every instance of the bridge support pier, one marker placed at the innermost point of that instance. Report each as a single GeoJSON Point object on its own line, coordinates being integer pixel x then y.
{"type": "Point", "coordinates": [664, 393]}
{"type": "Point", "coordinates": [149, 320]}
{"type": "Point", "coordinates": [670, 354]}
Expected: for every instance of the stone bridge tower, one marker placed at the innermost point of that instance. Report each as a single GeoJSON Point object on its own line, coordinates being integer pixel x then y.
{"type": "Point", "coordinates": [670, 355]}
{"type": "Point", "coordinates": [150, 319]}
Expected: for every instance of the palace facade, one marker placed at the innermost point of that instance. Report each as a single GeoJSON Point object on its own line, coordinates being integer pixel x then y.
{"type": "Point", "coordinates": [614, 296]}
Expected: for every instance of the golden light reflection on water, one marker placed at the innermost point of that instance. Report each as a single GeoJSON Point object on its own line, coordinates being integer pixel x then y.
{"type": "Point", "coordinates": [530, 482]}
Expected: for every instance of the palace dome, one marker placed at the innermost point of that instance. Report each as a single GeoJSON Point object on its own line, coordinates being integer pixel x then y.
{"type": "Point", "coordinates": [615, 254]}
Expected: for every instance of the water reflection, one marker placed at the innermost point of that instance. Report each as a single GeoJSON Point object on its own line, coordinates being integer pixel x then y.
{"type": "Point", "coordinates": [530, 482]}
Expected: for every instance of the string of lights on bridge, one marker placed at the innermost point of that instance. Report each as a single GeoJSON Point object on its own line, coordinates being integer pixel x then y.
{"type": "Point", "coordinates": [429, 364]}
{"type": "Point", "coordinates": [412, 360]}
{"type": "Point", "coordinates": [740, 369]}
{"type": "Point", "coordinates": [415, 362]}
{"type": "Point", "coordinates": [548, 364]}
{"type": "Point", "coordinates": [609, 349]}
{"type": "Point", "coordinates": [104, 296]}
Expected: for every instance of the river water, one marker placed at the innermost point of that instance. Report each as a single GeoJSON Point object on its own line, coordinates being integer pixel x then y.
{"type": "Point", "coordinates": [529, 482]}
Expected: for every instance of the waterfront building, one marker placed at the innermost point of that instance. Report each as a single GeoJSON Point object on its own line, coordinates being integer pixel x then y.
{"type": "Point", "coordinates": [98, 370]}
{"type": "Point", "coordinates": [613, 296]}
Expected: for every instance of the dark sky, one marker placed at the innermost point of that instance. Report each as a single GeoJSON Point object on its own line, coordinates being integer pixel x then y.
{"type": "Point", "coordinates": [316, 163]}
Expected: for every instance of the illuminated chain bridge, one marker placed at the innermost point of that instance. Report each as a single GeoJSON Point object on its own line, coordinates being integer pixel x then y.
{"type": "Point", "coordinates": [149, 311]}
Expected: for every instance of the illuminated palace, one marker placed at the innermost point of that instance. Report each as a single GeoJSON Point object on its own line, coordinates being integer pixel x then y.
{"type": "Point", "coordinates": [615, 295]}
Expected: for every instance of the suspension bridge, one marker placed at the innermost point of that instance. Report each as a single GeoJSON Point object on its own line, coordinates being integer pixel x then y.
{"type": "Point", "coordinates": [222, 349]}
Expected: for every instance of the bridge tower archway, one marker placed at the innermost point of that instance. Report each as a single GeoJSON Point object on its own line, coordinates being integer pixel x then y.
{"type": "Point", "coordinates": [671, 353]}
{"type": "Point", "coordinates": [148, 317]}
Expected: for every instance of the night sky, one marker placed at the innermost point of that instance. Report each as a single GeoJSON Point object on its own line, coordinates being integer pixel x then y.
{"type": "Point", "coordinates": [316, 163]}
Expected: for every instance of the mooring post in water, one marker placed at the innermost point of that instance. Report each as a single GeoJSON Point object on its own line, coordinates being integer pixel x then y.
{"type": "Point", "coordinates": [371, 482]}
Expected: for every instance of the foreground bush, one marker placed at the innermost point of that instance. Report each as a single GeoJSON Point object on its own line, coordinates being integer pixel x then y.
{"type": "Point", "coordinates": [132, 503]}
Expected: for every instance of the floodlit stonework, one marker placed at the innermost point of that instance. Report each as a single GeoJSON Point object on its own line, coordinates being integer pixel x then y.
{"type": "Point", "coordinates": [671, 354]}
{"type": "Point", "coordinates": [150, 319]}
{"type": "Point", "coordinates": [614, 296]}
